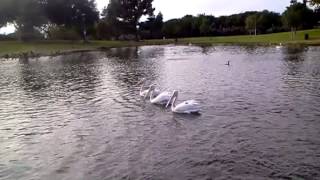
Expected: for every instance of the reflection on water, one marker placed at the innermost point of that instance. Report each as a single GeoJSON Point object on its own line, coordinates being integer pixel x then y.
{"type": "Point", "coordinates": [79, 116]}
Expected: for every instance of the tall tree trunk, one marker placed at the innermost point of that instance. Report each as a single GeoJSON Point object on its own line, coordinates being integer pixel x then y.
{"type": "Point", "coordinates": [136, 31]}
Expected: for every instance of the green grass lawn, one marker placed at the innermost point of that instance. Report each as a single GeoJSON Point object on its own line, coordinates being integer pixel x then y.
{"type": "Point", "coordinates": [14, 48]}
{"type": "Point", "coordinates": [276, 38]}
{"type": "Point", "coordinates": [51, 47]}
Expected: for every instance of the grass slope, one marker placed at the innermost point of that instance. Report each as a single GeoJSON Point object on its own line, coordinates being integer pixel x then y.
{"type": "Point", "coordinates": [285, 38]}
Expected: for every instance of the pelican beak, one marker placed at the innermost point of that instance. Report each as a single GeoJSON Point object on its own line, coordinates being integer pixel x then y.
{"type": "Point", "coordinates": [148, 93]}
{"type": "Point", "coordinates": [145, 97]}
{"type": "Point", "coordinates": [168, 103]}
{"type": "Point", "coordinates": [141, 81]}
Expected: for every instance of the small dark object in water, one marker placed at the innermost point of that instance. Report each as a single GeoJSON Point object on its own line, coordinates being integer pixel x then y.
{"type": "Point", "coordinates": [228, 63]}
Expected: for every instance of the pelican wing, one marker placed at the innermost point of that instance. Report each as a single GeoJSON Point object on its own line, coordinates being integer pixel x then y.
{"type": "Point", "coordinates": [162, 98]}
{"type": "Point", "coordinates": [189, 106]}
{"type": "Point", "coordinates": [156, 92]}
{"type": "Point", "coordinates": [193, 102]}
{"type": "Point", "coordinates": [143, 93]}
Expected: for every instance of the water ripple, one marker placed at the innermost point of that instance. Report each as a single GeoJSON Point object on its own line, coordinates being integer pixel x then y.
{"type": "Point", "coordinates": [79, 116]}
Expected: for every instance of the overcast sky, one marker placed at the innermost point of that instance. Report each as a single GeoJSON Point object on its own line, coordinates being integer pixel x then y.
{"type": "Point", "coordinates": [178, 8]}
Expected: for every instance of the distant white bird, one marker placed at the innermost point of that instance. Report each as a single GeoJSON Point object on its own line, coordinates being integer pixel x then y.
{"type": "Point", "coordinates": [144, 91]}
{"type": "Point", "coordinates": [161, 99]}
{"type": "Point", "coordinates": [186, 107]}
{"type": "Point", "coordinates": [279, 46]}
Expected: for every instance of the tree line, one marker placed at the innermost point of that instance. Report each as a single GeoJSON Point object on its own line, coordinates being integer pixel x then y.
{"type": "Point", "coordinates": [80, 19]}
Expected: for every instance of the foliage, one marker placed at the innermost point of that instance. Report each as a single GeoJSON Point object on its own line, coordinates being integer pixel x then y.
{"type": "Point", "coordinates": [151, 29]}
{"type": "Point", "coordinates": [6, 13]}
{"type": "Point", "coordinates": [63, 33]}
{"type": "Point", "coordinates": [126, 14]}
{"type": "Point", "coordinates": [121, 18]}
{"type": "Point", "coordinates": [298, 16]}
{"type": "Point", "coordinates": [315, 3]}
{"type": "Point", "coordinates": [251, 23]}
{"type": "Point", "coordinates": [30, 16]}
{"type": "Point", "coordinates": [8, 37]}
{"type": "Point", "coordinates": [268, 22]}
{"type": "Point", "coordinates": [26, 15]}
{"type": "Point", "coordinates": [75, 14]}
{"type": "Point", "coordinates": [106, 30]}
{"type": "Point", "coordinates": [171, 28]}
{"type": "Point", "coordinates": [206, 25]}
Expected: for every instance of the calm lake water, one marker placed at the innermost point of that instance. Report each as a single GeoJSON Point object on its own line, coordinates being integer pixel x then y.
{"type": "Point", "coordinates": [79, 116]}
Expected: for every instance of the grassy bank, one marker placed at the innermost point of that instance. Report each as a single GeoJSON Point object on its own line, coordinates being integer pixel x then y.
{"type": "Point", "coordinates": [276, 38]}
{"type": "Point", "coordinates": [16, 49]}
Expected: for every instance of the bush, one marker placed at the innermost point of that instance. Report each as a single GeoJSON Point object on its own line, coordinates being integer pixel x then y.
{"type": "Point", "coordinates": [30, 36]}
{"type": "Point", "coordinates": [8, 37]}
{"type": "Point", "coordinates": [63, 33]}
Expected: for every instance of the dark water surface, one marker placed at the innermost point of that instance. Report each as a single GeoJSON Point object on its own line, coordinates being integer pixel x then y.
{"type": "Point", "coordinates": [79, 116]}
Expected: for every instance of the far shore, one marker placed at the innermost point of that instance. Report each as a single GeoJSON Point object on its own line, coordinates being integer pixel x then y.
{"type": "Point", "coordinates": [16, 49]}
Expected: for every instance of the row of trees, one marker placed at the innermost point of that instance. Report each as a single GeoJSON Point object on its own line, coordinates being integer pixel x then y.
{"type": "Point", "coordinates": [203, 25]}
{"type": "Point", "coordinates": [68, 19]}
{"type": "Point", "coordinates": [75, 19]}
{"type": "Point", "coordinates": [297, 16]}
{"type": "Point", "coordinates": [34, 18]}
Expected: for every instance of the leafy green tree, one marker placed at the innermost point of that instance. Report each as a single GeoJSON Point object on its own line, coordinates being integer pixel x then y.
{"type": "Point", "coordinates": [315, 2]}
{"type": "Point", "coordinates": [172, 28]}
{"type": "Point", "coordinates": [268, 21]}
{"type": "Point", "coordinates": [205, 26]}
{"type": "Point", "coordinates": [128, 13]}
{"type": "Point", "coordinates": [251, 24]}
{"type": "Point", "coordinates": [152, 27]}
{"type": "Point", "coordinates": [298, 16]}
{"type": "Point", "coordinates": [76, 14]}
{"type": "Point", "coordinates": [105, 30]}
{"type": "Point", "coordinates": [26, 15]}
{"type": "Point", "coordinates": [6, 12]}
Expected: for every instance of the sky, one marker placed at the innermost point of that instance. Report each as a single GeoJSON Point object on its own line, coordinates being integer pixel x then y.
{"type": "Point", "coordinates": [178, 8]}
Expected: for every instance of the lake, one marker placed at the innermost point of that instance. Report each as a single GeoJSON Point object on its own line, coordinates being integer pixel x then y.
{"type": "Point", "coordinates": [79, 116]}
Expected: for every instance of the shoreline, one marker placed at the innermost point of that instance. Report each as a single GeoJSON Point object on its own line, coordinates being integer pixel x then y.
{"type": "Point", "coordinates": [35, 54]}
{"type": "Point", "coordinates": [16, 49]}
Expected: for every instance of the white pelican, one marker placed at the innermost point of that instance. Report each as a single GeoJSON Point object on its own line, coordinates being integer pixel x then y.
{"type": "Point", "coordinates": [144, 91]}
{"type": "Point", "coordinates": [279, 46]}
{"type": "Point", "coordinates": [161, 99]}
{"type": "Point", "coordinates": [186, 107]}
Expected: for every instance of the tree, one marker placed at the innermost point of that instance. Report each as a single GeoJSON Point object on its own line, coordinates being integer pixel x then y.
{"type": "Point", "coordinates": [268, 21]}
{"type": "Point", "coordinates": [6, 12]}
{"type": "Point", "coordinates": [172, 28]}
{"type": "Point", "coordinates": [298, 15]}
{"type": "Point", "coordinates": [128, 13]}
{"type": "Point", "coordinates": [251, 23]}
{"type": "Point", "coordinates": [205, 26]}
{"type": "Point", "coordinates": [293, 2]}
{"type": "Point", "coordinates": [26, 15]}
{"type": "Point", "coordinates": [152, 27]}
{"type": "Point", "coordinates": [315, 2]}
{"type": "Point", "coordinates": [78, 14]}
